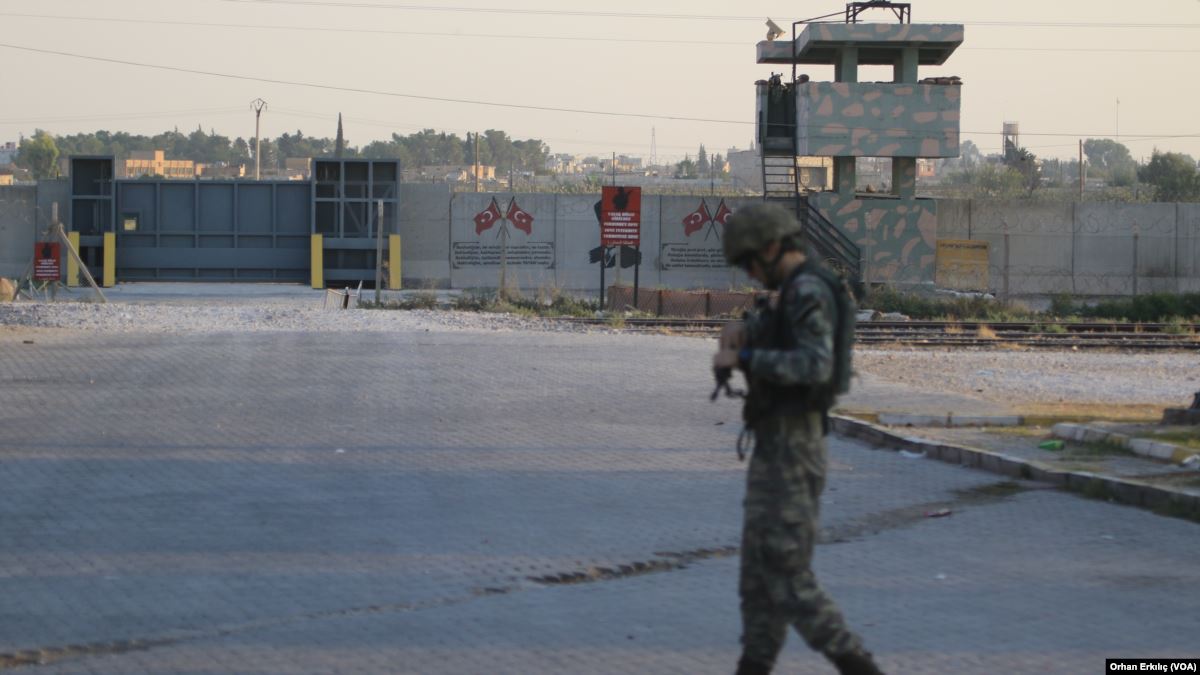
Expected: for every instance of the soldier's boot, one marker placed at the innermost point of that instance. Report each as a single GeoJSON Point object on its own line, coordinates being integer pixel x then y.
{"type": "Point", "coordinates": [857, 663]}
{"type": "Point", "coordinates": [748, 667]}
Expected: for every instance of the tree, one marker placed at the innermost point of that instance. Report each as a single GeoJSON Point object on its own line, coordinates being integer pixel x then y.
{"type": "Point", "coordinates": [39, 154]}
{"type": "Point", "coordinates": [1105, 155]}
{"type": "Point", "coordinates": [1173, 176]}
{"type": "Point", "coordinates": [686, 169]}
{"type": "Point", "coordinates": [970, 154]}
{"type": "Point", "coordinates": [339, 146]}
{"type": "Point", "coordinates": [702, 165]}
{"type": "Point", "coordinates": [1025, 163]}
{"type": "Point", "coordinates": [718, 163]}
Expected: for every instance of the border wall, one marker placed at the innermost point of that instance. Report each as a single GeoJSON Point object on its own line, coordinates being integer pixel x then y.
{"type": "Point", "coordinates": [1085, 249]}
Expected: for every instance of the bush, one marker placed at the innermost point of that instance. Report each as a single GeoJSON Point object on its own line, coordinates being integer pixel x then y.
{"type": "Point", "coordinates": [887, 299]}
{"type": "Point", "coordinates": [1154, 307]}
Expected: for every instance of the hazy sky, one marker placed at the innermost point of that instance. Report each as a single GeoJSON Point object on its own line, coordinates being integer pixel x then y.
{"type": "Point", "coordinates": [1057, 67]}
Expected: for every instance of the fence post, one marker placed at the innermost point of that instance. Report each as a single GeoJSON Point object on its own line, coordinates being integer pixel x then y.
{"type": "Point", "coordinates": [1135, 258]}
{"type": "Point", "coordinates": [1006, 262]}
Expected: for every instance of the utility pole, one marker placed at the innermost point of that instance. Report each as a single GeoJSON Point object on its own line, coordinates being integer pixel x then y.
{"type": "Point", "coordinates": [477, 161]}
{"type": "Point", "coordinates": [1081, 169]}
{"type": "Point", "coordinates": [257, 105]}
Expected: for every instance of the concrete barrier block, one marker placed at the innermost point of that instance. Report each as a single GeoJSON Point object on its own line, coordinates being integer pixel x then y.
{"type": "Point", "coordinates": [1067, 431]}
{"type": "Point", "coordinates": [1141, 446]}
{"type": "Point", "coordinates": [1164, 451]}
{"type": "Point", "coordinates": [1120, 439]}
{"type": "Point", "coordinates": [1094, 435]}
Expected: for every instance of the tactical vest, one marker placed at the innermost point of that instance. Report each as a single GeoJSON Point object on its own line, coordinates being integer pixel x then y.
{"type": "Point", "coordinates": [766, 398]}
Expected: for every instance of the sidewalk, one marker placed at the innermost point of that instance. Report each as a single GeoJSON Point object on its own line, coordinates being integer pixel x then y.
{"type": "Point", "coordinates": [984, 434]}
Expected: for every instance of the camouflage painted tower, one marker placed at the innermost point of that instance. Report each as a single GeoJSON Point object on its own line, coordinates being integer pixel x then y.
{"type": "Point", "coordinates": [904, 119]}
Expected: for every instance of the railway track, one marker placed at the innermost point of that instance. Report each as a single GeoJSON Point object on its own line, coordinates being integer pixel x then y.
{"type": "Point", "coordinates": [1122, 336]}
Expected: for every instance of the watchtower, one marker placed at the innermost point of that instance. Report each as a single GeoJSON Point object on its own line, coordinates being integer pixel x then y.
{"type": "Point", "coordinates": [903, 119]}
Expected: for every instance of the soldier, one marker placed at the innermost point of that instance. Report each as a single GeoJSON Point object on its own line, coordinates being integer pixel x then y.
{"type": "Point", "coordinates": [786, 350]}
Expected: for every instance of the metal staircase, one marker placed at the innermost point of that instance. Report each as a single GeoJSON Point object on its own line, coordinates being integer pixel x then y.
{"type": "Point", "coordinates": [781, 184]}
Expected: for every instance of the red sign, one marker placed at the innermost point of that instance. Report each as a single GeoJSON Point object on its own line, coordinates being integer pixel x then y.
{"type": "Point", "coordinates": [46, 261]}
{"type": "Point", "coordinates": [621, 216]}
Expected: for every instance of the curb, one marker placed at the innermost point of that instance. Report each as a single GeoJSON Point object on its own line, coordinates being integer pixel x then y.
{"type": "Point", "coordinates": [1122, 490]}
{"type": "Point", "coordinates": [949, 420]}
{"type": "Point", "coordinates": [1140, 446]}
{"type": "Point", "coordinates": [952, 420]}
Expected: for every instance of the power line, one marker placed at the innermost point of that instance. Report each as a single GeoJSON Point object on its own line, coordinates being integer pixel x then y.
{"type": "Point", "coordinates": [526, 37]}
{"type": "Point", "coordinates": [376, 92]}
{"type": "Point", "coordinates": [499, 10]}
{"type": "Point", "coordinates": [123, 116]}
{"type": "Point", "coordinates": [369, 31]}
{"type": "Point", "coordinates": [673, 16]}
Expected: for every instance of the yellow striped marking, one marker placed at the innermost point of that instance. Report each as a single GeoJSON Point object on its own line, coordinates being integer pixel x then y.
{"type": "Point", "coordinates": [393, 262]}
{"type": "Point", "coordinates": [72, 266]}
{"type": "Point", "coordinates": [318, 261]}
{"type": "Point", "coordinates": [110, 259]}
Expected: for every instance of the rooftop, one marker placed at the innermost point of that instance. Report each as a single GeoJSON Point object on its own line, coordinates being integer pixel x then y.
{"type": "Point", "coordinates": [879, 44]}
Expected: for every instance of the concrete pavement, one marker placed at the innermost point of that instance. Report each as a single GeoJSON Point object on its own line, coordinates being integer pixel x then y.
{"type": "Point", "coordinates": [502, 502]}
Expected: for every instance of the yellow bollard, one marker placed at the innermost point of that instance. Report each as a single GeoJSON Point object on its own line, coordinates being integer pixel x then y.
{"type": "Point", "coordinates": [72, 266]}
{"type": "Point", "coordinates": [318, 261]}
{"type": "Point", "coordinates": [393, 262]}
{"type": "Point", "coordinates": [110, 259]}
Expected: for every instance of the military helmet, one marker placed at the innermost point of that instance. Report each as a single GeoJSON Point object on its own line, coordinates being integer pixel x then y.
{"type": "Point", "coordinates": [752, 228]}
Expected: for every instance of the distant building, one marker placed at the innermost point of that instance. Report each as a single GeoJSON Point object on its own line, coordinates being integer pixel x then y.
{"type": "Point", "coordinates": [563, 164]}
{"type": "Point", "coordinates": [745, 167]}
{"type": "Point", "coordinates": [6, 176]}
{"type": "Point", "coordinates": [297, 168]}
{"type": "Point", "coordinates": [926, 168]}
{"type": "Point", "coordinates": [154, 163]}
{"type": "Point", "coordinates": [8, 152]}
{"type": "Point", "coordinates": [457, 173]}
{"type": "Point", "coordinates": [223, 171]}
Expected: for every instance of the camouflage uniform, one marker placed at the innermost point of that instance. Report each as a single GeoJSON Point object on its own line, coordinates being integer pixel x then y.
{"type": "Point", "coordinates": [786, 477]}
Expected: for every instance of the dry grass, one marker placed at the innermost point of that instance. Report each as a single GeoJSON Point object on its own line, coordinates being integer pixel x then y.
{"type": "Point", "coordinates": [1188, 438]}
{"type": "Point", "coordinates": [954, 329]}
{"type": "Point", "coordinates": [1131, 412]}
{"type": "Point", "coordinates": [986, 333]}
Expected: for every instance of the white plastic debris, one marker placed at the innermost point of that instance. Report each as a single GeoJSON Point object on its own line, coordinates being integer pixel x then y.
{"type": "Point", "coordinates": [908, 454]}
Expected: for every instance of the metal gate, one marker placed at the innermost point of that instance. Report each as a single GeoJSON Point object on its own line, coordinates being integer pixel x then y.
{"type": "Point", "coordinates": [212, 231]}
{"type": "Point", "coordinates": [236, 230]}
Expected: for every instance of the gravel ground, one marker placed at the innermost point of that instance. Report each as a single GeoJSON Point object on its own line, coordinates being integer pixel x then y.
{"type": "Point", "coordinates": [1011, 378]}
{"type": "Point", "coordinates": [213, 317]}
{"type": "Point", "coordinates": [1019, 378]}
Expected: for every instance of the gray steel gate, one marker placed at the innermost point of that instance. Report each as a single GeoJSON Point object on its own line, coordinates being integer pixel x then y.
{"type": "Point", "coordinates": [213, 231]}
{"type": "Point", "coordinates": [236, 230]}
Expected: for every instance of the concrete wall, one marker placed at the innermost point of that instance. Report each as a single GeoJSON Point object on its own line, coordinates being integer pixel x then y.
{"type": "Point", "coordinates": [18, 220]}
{"type": "Point", "coordinates": [1085, 249]}
{"type": "Point", "coordinates": [1089, 249]}
{"type": "Point", "coordinates": [897, 237]}
{"type": "Point", "coordinates": [842, 119]}
{"type": "Point", "coordinates": [425, 235]}
{"type": "Point", "coordinates": [564, 232]}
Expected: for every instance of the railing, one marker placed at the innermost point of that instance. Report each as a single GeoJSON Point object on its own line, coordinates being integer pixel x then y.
{"type": "Point", "coordinates": [830, 243]}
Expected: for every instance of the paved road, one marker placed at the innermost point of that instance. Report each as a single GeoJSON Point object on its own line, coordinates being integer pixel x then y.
{"type": "Point", "coordinates": [502, 502]}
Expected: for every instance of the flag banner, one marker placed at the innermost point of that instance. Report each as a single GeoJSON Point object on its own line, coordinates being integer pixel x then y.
{"type": "Point", "coordinates": [486, 218]}
{"type": "Point", "coordinates": [521, 219]}
{"type": "Point", "coordinates": [694, 221]}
